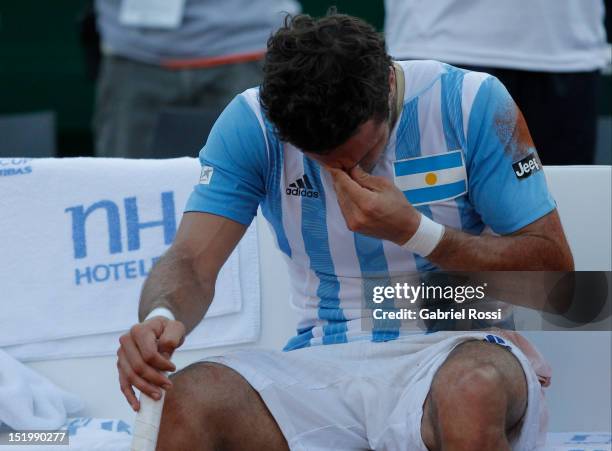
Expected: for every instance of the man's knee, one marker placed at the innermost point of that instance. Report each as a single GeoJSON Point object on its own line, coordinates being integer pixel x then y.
{"type": "Point", "coordinates": [482, 374]}
{"type": "Point", "coordinates": [212, 407]}
{"type": "Point", "coordinates": [202, 397]}
{"type": "Point", "coordinates": [478, 394]}
{"type": "Point", "coordinates": [469, 386]}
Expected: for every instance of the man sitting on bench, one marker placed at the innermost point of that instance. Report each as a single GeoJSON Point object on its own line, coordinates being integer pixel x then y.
{"type": "Point", "coordinates": [366, 169]}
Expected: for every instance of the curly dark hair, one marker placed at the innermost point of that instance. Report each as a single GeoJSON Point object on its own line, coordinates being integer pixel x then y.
{"type": "Point", "coordinates": [323, 78]}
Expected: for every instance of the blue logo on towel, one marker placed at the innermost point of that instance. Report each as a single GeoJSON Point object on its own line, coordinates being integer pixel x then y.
{"type": "Point", "coordinates": [133, 225]}
{"type": "Point", "coordinates": [123, 270]}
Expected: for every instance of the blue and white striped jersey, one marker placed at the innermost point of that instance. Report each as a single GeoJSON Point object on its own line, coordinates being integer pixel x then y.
{"type": "Point", "coordinates": [460, 152]}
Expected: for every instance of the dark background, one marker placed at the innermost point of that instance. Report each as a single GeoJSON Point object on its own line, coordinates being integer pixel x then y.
{"type": "Point", "coordinates": [42, 63]}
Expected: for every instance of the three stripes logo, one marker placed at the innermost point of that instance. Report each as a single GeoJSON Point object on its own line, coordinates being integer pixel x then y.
{"type": "Point", "coordinates": [302, 187]}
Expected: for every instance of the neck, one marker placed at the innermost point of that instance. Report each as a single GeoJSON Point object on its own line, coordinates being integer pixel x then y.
{"type": "Point", "coordinates": [397, 96]}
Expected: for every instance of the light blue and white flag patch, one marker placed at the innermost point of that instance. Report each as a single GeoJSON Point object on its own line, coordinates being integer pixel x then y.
{"type": "Point", "coordinates": [432, 178]}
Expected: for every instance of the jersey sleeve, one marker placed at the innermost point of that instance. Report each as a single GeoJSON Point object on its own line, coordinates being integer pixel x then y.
{"type": "Point", "coordinates": [506, 182]}
{"type": "Point", "coordinates": [234, 166]}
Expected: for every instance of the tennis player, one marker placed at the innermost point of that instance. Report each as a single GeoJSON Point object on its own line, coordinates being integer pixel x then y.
{"type": "Point", "coordinates": [365, 168]}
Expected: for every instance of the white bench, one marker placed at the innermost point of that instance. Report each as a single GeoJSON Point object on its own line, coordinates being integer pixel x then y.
{"type": "Point", "coordinates": [579, 397]}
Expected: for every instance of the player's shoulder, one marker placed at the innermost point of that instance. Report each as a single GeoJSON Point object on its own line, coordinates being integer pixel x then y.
{"type": "Point", "coordinates": [422, 68]}
{"type": "Point", "coordinates": [421, 76]}
{"type": "Point", "coordinates": [250, 99]}
{"type": "Point", "coordinates": [243, 115]}
{"type": "Point", "coordinates": [244, 106]}
{"type": "Point", "coordinates": [250, 102]}
{"type": "Point", "coordinates": [240, 129]}
{"type": "Point", "coordinates": [473, 81]}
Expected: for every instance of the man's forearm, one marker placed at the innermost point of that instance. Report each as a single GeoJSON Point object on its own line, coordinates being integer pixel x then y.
{"type": "Point", "coordinates": [173, 283]}
{"type": "Point", "coordinates": [460, 251]}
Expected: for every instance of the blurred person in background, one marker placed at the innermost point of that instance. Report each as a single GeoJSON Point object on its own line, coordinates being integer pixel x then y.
{"type": "Point", "coordinates": [174, 54]}
{"type": "Point", "coordinates": [548, 53]}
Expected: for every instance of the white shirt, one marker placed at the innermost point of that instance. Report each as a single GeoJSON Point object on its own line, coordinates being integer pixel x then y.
{"type": "Point", "coordinates": [537, 35]}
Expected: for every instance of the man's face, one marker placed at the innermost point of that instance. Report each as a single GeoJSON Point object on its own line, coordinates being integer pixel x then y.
{"type": "Point", "coordinates": [364, 148]}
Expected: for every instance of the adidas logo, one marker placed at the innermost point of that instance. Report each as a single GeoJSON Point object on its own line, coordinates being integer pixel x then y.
{"type": "Point", "coordinates": [302, 187]}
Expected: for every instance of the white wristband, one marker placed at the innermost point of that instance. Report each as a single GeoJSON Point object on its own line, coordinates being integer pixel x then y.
{"type": "Point", "coordinates": [160, 311]}
{"type": "Point", "coordinates": [426, 238]}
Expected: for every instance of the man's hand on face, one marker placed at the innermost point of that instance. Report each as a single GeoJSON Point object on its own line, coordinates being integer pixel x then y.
{"type": "Point", "coordinates": [374, 206]}
{"type": "Point", "coordinates": [144, 356]}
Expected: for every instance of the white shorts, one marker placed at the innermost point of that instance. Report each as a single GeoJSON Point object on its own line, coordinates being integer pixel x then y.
{"type": "Point", "coordinates": [364, 395]}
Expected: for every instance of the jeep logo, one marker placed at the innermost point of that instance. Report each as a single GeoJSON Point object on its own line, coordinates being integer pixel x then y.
{"type": "Point", "coordinates": [527, 166]}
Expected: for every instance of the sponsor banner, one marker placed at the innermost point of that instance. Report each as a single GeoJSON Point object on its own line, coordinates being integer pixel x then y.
{"type": "Point", "coordinates": [515, 300]}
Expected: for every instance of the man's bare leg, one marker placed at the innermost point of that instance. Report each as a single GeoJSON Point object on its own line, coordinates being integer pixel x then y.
{"type": "Point", "coordinates": [213, 408]}
{"type": "Point", "coordinates": [477, 397]}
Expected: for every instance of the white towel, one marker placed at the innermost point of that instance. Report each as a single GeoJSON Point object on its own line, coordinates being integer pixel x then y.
{"type": "Point", "coordinates": [29, 401]}
{"type": "Point", "coordinates": [237, 328]}
{"type": "Point", "coordinates": [79, 240]}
